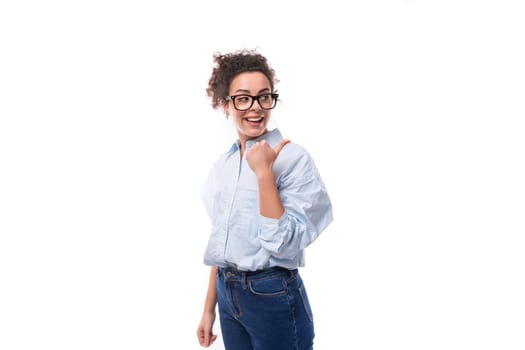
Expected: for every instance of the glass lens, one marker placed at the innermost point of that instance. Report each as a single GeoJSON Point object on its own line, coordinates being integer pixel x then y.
{"type": "Point", "coordinates": [243, 102]}
{"type": "Point", "coordinates": [266, 101]}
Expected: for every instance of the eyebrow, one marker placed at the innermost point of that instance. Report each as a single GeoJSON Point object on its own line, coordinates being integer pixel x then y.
{"type": "Point", "coordinates": [248, 91]}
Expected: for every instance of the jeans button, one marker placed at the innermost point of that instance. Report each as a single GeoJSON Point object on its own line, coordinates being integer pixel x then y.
{"type": "Point", "coordinates": [229, 274]}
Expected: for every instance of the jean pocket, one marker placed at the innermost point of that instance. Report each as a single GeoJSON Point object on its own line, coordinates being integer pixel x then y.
{"type": "Point", "coordinates": [269, 287]}
{"type": "Point", "coordinates": [306, 303]}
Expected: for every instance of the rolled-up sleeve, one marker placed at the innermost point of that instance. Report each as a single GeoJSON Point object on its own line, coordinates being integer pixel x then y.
{"type": "Point", "coordinates": [308, 210]}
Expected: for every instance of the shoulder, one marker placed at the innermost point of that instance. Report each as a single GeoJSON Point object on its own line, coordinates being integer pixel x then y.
{"type": "Point", "coordinates": [225, 157]}
{"type": "Point", "coordinates": [293, 151]}
{"type": "Point", "coordinates": [293, 157]}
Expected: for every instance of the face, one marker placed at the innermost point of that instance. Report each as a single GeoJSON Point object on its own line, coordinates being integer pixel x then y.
{"type": "Point", "coordinates": [252, 122]}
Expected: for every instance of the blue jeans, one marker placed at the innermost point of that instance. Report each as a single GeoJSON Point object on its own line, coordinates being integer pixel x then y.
{"type": "Point", "coordinates": [264, 310]}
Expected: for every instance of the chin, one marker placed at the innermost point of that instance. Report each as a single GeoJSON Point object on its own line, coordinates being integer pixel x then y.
{"type": "Point", "coordinates": [257, 133]}
{"type": "Point", "coordinates": [253, 133]}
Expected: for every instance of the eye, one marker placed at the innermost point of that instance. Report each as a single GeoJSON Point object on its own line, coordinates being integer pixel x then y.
{"type": "Point", "coordinates": [265, 98]}
{"type": "Point", "coordinates": [243, 99]}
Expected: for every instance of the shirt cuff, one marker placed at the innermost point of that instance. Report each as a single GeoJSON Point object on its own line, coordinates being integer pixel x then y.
{"type": "Point", "coordinates": [272, 231]}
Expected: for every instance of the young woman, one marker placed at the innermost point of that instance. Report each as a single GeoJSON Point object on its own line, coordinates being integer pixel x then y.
{"type": "Point", "coordinates": [267, 203]}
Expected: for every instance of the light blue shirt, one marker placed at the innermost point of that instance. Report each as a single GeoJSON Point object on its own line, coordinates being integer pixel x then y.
{"type": "Point", "coordinates": [244, 239]}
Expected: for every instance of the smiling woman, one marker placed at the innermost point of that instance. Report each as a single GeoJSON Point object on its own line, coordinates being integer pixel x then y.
{"type": "Point", "coordinates": [250, 119]}
{"type": "Point", "coordinates": [267, 203]}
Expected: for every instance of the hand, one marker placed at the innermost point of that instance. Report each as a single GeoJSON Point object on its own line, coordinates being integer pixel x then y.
{"type": "Point", "coordinates": [205, 330]}
{"type": "Point", "coordinates": [261, 156]}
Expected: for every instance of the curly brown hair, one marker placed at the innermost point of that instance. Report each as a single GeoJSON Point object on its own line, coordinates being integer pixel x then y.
{"type": "Point", "coordinates": [229, 65]}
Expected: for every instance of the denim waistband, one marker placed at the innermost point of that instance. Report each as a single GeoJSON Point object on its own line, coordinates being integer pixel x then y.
{"type": "Point", "coordinates": [232, 273]}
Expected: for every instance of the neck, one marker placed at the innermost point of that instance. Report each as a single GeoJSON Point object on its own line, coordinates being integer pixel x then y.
{"type": "Point", "coordinates": [243, 139]}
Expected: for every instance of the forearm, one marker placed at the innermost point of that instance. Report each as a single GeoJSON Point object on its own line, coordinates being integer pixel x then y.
{"type": "Point", "coordinates": [270, 204]}
{"type": "Point", "coordinates": [211, 295]}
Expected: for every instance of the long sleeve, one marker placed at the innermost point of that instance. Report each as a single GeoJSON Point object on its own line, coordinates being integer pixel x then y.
{"type": "Point", "coordinates": [207, 191]}
{"type": "Point", "coordinates": [308, 210]}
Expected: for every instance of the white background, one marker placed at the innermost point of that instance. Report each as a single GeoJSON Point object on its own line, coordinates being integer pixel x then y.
{"type": "Point", "coordinates": [413, 111]}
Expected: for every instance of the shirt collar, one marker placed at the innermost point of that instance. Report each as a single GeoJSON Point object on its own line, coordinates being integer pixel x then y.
{"type": "Point", "coordinates": [272, 137]}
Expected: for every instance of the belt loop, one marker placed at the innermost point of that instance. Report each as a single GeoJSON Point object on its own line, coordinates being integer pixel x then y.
{"type": "Point", "coordinates": [244, 283]}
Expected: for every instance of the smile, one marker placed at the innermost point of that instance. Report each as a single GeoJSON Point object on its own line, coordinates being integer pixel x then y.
{"type": "Point", "coordinates": [255, 120]}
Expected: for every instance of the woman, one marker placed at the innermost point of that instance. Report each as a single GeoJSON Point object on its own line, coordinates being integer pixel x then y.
{"type": "Point", "coordinates": [267, 203]}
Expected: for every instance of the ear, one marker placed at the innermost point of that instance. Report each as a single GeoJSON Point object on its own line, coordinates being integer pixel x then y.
{"type": "Point", "coordinates": [225, 109]}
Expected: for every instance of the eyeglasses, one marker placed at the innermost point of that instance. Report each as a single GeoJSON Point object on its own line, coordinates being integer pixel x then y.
{"type": "Point", "coordinates": [245, 102]}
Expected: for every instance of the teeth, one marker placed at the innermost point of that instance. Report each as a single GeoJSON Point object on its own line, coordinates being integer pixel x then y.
{"type": "Point", "coordinates": [254, 119]}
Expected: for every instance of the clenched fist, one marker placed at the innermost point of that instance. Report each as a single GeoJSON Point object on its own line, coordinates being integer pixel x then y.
{"type": "Point", "coordinates": [261, 156]}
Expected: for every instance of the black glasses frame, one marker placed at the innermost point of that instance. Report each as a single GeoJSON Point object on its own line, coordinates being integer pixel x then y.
{"type": "Point", "coordinates": [254, 98]}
